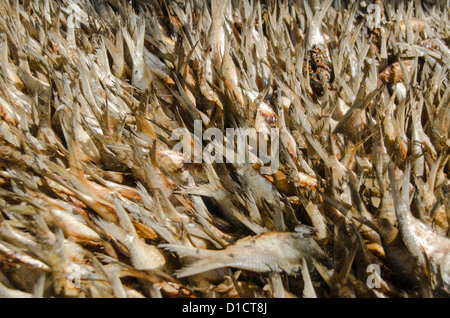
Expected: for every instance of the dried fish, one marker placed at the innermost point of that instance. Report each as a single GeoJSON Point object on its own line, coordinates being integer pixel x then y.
{"type": "Point", "coordinates": [428, 248]}
{"type": "Point", "coordinates": [272, 251]}
{"type": "Point", "coordinates": [118, 170]}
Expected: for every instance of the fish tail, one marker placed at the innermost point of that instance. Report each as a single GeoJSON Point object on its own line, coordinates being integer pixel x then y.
{"type": "Point", "coordinates": [124, 219]}
{"type": "Point", "coordinates": [199, 267]}
{"type": "Point", "coordinates": [187, 250]}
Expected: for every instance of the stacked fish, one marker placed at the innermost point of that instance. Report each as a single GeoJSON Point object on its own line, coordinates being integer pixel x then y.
{"type": "Point", "coordinates": [98, 200]}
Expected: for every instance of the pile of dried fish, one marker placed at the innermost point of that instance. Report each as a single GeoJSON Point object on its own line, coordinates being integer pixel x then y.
{"type": "Point", "coordinates": [98, 200]}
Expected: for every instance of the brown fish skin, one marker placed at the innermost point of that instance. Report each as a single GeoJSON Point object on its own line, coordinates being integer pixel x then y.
{"type": "Point", "coordinates": [319, 69]}
{"type": "Point", "coordinates": [393, 74]}
{"type": "Point", "coordinates": [398, 257]}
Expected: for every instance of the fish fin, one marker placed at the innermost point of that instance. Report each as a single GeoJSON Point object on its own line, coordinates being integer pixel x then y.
{"type": "Point", "coordinates": [330, 160]}
{"type": "Point", "coordinates": [204, 190]}
{"type": "Point", "coordinates": [183, 250]}
{"type": "Point", "coordinates": [113, 229]}
{"type": "Point", "coordinates": [124, 218]}
{"type": "Point", "coordinates": [200, 266]}
{"type": "Point", "coordinates": [308, 290]}
{"type": "Point", "coordinates": [218, 8]}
